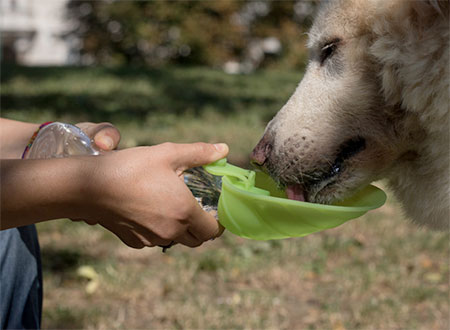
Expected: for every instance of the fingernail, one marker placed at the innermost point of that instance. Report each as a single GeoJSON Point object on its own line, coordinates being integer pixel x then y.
{"type": "Point", "coordinates": [220, 147]}
{"type": "Point", "coordinates": [107, 142]}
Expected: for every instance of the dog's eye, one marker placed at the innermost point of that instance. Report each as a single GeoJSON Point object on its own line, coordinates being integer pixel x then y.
{"type": "Point", "coordinates": [328, 50]}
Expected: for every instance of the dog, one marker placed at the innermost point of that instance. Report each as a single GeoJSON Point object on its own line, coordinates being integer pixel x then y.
{"type": "Point", "coordinates": [373, 104]}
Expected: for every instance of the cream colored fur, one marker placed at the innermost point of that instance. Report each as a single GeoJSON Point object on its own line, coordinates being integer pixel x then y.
{"type": "Point", "coordinates": [388, 82]}
{"type": "Point", "coordinates": [414, 38]}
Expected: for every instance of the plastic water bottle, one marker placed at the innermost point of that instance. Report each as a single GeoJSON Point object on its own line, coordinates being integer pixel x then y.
{"type": "Point", "coordinates": [58, 140]}
{"type": "Point", "coordinates": [205, 187]}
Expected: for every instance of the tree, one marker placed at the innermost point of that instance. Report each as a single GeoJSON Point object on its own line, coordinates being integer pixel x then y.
{"type": "Point", "coordinates": [192, 32]}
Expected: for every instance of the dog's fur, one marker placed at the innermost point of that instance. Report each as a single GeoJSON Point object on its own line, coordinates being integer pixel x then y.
{"type": "Point", "coordinates": [385, 85]}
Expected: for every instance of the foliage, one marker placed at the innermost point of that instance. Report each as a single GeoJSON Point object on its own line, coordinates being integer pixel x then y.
{"type": "Point", "coordinates": [192, 32]}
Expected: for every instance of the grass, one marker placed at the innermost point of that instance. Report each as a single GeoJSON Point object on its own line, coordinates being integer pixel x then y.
{"type": "Point", "coordinates": [152, 106]}
{"type": "Point", "coordinates": [377, 272]}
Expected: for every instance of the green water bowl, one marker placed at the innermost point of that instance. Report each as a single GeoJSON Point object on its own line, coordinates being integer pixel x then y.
{"type": "Point", "coordinates": [252, 206]}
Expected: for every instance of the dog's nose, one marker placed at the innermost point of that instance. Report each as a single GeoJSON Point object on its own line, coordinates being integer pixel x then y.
{"type": "Point", "coordinates": [262, 151]}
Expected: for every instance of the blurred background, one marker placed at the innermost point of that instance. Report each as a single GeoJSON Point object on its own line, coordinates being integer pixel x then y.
{"type": "Point", "coordinates": [211, 71]}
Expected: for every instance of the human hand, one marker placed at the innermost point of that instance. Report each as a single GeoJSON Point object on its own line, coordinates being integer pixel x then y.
{"type": "Point", "coordinates": [105, 136]}
{"type": "Point", "coordinates": [139, 194]}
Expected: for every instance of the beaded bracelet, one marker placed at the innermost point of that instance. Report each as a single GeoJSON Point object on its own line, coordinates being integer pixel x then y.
{"type": "Point", "coordinates": [35, 134]}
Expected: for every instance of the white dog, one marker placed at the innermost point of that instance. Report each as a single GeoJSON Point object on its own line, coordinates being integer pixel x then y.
{"type": "Point", "coordinates": [373, 103]}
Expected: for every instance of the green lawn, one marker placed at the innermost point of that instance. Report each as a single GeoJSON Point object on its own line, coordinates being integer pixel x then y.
{"type": "Point", "coordinates": [152, 106]}
{"type": "Point", "coordinates": [377, 272]}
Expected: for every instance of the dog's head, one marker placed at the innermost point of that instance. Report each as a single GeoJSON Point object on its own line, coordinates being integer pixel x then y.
{"type": "Point", "coordinates": [339, 131]}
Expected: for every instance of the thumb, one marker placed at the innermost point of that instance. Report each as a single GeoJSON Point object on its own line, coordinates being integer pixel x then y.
{"type": "Point", "coordinates": [107, 138]}
{"type": "Point", "coordinates": [105, 135]}
{"type": "Point", "coordinates": [186, 156]}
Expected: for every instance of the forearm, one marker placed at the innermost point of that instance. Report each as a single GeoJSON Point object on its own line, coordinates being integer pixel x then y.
{"type": "Point", "coordinates": [14, 136]}
{"type": "Point", "coordinates": [38, 190]}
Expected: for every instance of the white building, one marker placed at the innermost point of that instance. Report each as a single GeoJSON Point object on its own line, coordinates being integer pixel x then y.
{"type": "Point", "coordinates": [32, 32]}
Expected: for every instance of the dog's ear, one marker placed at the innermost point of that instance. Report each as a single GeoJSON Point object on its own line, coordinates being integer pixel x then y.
{"type": "Point", "coordinates": [430, 10]}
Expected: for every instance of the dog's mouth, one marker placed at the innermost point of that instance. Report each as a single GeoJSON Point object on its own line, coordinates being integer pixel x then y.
{"type": "Point", "coordinates": [309, 187]}
{"type": "Point", "coordinates": [296, 192]}
{"type": "Point", "coordinates": [316, 187]}
{"type": "Point", "coordinates": [320, 192]}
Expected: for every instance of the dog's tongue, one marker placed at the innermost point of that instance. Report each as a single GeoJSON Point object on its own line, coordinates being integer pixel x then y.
{"type": "Point", "coordinates": [295, 192]}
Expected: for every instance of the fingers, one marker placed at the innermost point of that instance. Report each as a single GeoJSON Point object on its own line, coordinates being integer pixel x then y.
{"type": "Point", "coordinates": [184, 156]}
{"type": "Point", "coordinates": [134, 237]}
{"type": "Point", "coordinates": [192, 241]}
{"type": "Point", "coordinates": [90, 222]}
{"type": "Point", "coordinates": [221, 230]}
{"type": "Point", "coordinates": [189, 240]}
{"type": "Point", "coordinates": [127, 236]}
{"type": "Point", "coordinates": [200, 226]}
{"type": "Point", "coordinates": [105, 135]}
{"type": "Point", "coordinates": [107, 138]}
{"type": "Point", "coordinates": [203, 225]}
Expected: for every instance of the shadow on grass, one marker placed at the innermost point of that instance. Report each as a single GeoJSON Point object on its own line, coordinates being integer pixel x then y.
{"type": "Point", "coordinates": [62, 260]}
{"type": "Point", "coordinates": [63, 318]}
{"type": "Point", "coordinates": [120, 93]}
